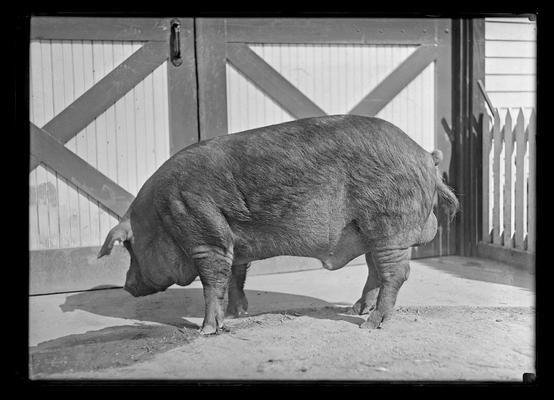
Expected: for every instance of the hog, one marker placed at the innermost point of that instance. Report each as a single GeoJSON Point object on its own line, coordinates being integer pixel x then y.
{"type": "Point", "coordinates": [331, 188]}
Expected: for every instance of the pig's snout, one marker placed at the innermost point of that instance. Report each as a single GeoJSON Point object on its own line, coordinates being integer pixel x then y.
{"type": "Point", "coordinates": [136, 287]}
{"type": "Point", "coordinates": [138, 290]}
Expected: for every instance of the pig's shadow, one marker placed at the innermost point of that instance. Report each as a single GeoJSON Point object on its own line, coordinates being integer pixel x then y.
{"type": "Point", "coordinates": [176, 306]}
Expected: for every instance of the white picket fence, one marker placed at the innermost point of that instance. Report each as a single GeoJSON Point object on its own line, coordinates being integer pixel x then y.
{"type": "Point", "coordinates": [509, 184]}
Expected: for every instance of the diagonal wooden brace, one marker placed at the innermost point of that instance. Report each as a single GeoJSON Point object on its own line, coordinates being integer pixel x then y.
{"type": "Point", "coordinates": [46, 149]}
{"type": "Point", "coordinates": [397, 80]}
{"type": "Point", "coordinates": [76, 116]}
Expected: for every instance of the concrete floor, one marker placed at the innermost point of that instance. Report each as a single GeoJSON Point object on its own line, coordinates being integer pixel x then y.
{"type": "Point", "coordinates": [435, 282]}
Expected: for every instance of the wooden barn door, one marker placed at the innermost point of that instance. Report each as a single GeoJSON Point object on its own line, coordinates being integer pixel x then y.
{"type": "Point", "coordinates": [112, 98]}
{"type": "Point", "coordinates": [109, 103]}
{"type": "Point", "coordinates": [256, 72]}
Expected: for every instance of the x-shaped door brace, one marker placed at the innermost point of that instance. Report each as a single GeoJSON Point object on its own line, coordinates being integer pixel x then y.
{"type": "Point", "coordinates": [47, 143]}
{"type": "Point", "coordinates": [299, 105]}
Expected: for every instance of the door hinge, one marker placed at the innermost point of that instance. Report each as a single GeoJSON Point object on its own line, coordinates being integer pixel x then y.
{"type": "Point", "coordinates": [175, 43]}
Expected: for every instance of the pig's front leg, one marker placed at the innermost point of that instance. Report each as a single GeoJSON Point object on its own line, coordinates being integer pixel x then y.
{"type": "Point", "coordinates": [394, 269]}
{"type": "Point", "coordinates": [371, 288]}
{"type": "Point", "coordinates": [214, 269]}
{"type": "Point", "coordinates": [237, 302]}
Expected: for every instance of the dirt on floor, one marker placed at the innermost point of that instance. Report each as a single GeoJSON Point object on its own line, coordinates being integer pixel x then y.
{"type": "Point", "coordinates": [419, 343]}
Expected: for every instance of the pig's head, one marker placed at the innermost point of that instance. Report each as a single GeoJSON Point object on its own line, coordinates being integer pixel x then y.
{"type": "Point", "coordinates": [156, 262]}
{"type": "Point", "coordinates": [123, 233]}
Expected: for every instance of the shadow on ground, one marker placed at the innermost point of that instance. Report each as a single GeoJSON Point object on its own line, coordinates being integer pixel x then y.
{"type": "Point", "coordinates": [482, 270]}
{"type": "Point", "coordinates": [115, 346]}
{"type": "Point", "coordinates": [124, 345]}
{"type": "Point", "coordinates": [174, 306]}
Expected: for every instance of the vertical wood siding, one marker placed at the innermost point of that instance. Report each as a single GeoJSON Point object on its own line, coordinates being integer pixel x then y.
{"type": "Point", "coordinates": [413, 109]}
{"type": "Point", "coordinates": [126, 143]}
{"type": "Point", "coordinates": [336, 78]}
{"type": "Point", "coordinates": [247, 106]}
{"type": "Point", "coordinates": [510, 81]}
{"type": "Point", "coordinates": [510, 63]}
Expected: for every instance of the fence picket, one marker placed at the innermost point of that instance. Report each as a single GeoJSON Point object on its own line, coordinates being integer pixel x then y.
{"type": "Point", "coordinates": [531, 210]}
{"type": "Point", "coordinates": [520, 182]}
{"type": "Point", "coordinates": [497, 144]}
{"type": "Point", "coordinates": [509, 185]}
{"type": "Point", "coordinates": [508, 149]}
{"type": "Point", "coordinates": [486, 154]}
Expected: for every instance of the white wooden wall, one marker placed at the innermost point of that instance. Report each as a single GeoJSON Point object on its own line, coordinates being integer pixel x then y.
{"type": "Point", "coordinates": [336, 78]}
{"type": "Point", "coordinates": [510, 63]}
{"type": "Point", "coordinates": [127, 143]}
{"type": "Point", "coordinates": [510, 81]}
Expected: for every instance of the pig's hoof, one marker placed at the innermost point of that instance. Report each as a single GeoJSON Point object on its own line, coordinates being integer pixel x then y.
{"type": "Point", "coordinates": [373, 321]}
{"type": "Point", "coordinates": [209, 330]}
{"type": "Point", "coordinates": [361, 308]}
{"type": "Point", "coordinates": [237, 309]}
{"type": "Point", "coordinates": [235, 313]}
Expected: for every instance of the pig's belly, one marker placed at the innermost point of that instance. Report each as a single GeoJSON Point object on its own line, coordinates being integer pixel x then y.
{"type": "Point", "coordinates": [334, 250]}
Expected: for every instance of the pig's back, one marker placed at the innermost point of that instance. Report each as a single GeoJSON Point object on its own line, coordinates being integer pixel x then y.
{"type": "Point", "coordinates": [274, 170]}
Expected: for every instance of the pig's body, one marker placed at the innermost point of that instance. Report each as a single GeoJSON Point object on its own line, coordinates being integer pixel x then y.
{"type": "Point", "coordinates": [332, 188]}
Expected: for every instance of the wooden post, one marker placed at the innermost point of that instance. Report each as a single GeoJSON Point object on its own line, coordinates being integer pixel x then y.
{"type": "Point", "coordinates": [468, 107]}
{"type": "Point", "coordinates": [520, 181]}
{"type": "Point", "coordinates": [508, 149]}
{"type": "Point", "coordinates": [532, 206]}
{"type": "Point", "coordinates": [477, 116]}
{"type": "Point", "coordinates": [497, 145]}
{"type": "Point", "coordinates": [447, 239]}
{"type": "Point", "coordinates": [486, 140]}
{"type": "Point", "coordinates": [459, 47]}
{"type": "Point", "coordinates": [182, 92]}
{"type": "Point", "coordinates": [212, 77]}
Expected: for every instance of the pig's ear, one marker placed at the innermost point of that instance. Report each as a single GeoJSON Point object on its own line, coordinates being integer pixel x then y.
{"type": "Point", "coordinates": [437, 156]}
{"type": "Point", "coordinates": [120, 232]}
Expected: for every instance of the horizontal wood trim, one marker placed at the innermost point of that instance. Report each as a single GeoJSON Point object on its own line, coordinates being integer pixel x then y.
{"type": "Point", "coordinates": [511, 83]}
{"type": "Point", "coordinates": [271, 82]}
{"type": "Point", "coordinates": [503, 31]}
{"type": "Point", "coordinates": [518, 258]}
{"type": "Point", "coordinates": [513, 99]}
{"type": "Point", "coordinates": [99, 28]}
{"type": "Point", "coordinates": [507, 49]}
{"type": "Point", "coordinates": [397, 80]}
{"type": "Point", "coordinates": [68, 270]}
{"type": "Point", "coordinates": [510, 65]}
{"type": "Point", "coordinates": [106, 92]}
{"type": "Point", "coordinates": [513, 20]}
{"type": "Point", "coordinates": [331, 31]}
{"type": "Point", "coordinates": [51, 152]}
{"type": "Point", "coordinates": [77, 269]}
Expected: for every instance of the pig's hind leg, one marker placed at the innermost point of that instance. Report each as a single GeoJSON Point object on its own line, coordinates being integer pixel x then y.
{"type": "Point", "coordinates": [394, 268]}
{"type": "Point", "coordinates": [237, 302]}
{"type": "Point", "coordinates": [371, 288]}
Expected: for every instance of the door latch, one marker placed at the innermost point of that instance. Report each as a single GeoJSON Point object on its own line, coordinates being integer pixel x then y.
{"type": "Point", "coordinates": [175, 43]}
